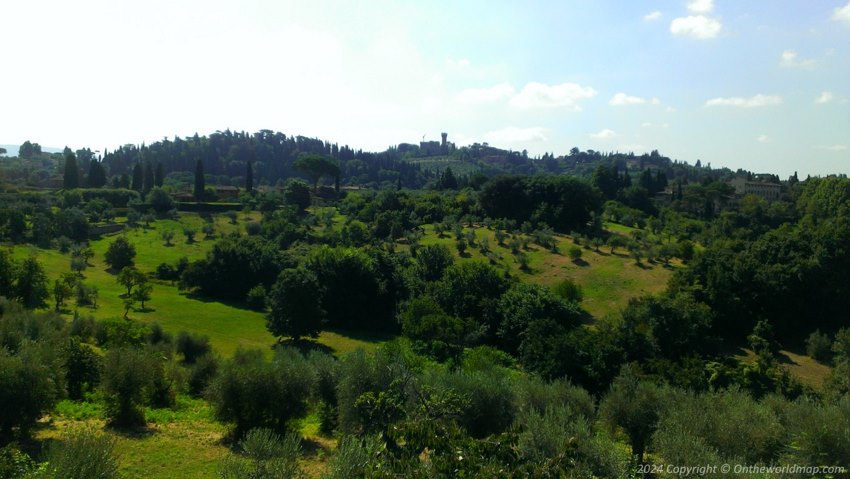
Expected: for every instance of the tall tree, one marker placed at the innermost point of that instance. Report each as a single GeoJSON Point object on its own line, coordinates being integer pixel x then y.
{"type": "Point", "coordinates": [294, 309]}
{"type": "Point", "coordinates": [316, 166]}
{"type": "Point", "coordinates": [29, 150]}
{"type": "Point", "coordinates": [199, 180]}
{"type": "Point", "coordinates": [138, 178]}
{"type": "Point", "coordinates": [71, 178]}
{"type": "Point", "coordinates": [97, 175]}
{"type": "Point", "coordinates": [31, 286]}
{"type": "Point", "coordinates": [249, 178]}
{"type": "Point", "coordinates": [149, 178]}
{"type": "Point", "coordinates": [159, 175]}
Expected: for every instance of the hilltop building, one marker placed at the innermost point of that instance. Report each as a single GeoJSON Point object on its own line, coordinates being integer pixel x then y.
{"type": "Point", "coordinates": [436, 148]}
{"type": "Point", "coordinates": [767, 190]}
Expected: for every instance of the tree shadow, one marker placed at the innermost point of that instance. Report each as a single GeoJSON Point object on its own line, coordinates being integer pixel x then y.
{"type": "Point", "coordinates": [227, 302]}
{"type": "Point", "coordinates": [132, 432]}
{"type": "Point", "coordinates": [580, 262]}
{"type": "Point", "coordinates": [304, 346]}
{"type": "Point", "coordinates": [312, 447]}
{"type": "Point", "coordinates": [783, 358]}
{"type": "Point", "coordinates": [363, 335]}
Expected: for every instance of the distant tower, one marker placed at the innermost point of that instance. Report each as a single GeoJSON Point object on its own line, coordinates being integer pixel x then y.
{"type": "Point", "coordinates": [444, 135]}
{"type": "Point", "coordinates": [444, 147]}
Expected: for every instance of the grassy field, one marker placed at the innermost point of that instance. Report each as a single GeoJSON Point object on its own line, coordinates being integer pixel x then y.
{"type": "Point", "coordinates": [608, 280]}
{"type": "Point", "coordinates": [229, 326]}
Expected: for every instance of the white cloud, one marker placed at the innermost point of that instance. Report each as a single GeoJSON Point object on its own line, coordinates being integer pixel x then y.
{"type": "Point", "coordinates": [842, 14]}
{"type": "Point", "coordinates": [834, 148]}
{"type": "Point", "coordinates": [655, 101]}
{"type": "Point", "coordinates": [825, 97]}
{"type": "Point", "coordinates": [652, 16]}
{"type": "Point", "coordinates": [513, 134]}
{"type": "Point", "coordinates": [751, 102]}
{"type": "Point", "coordinates": [486, 95]}
{"type": "Point", "coordinates": [763, 139]}
{"type": "Point", "coordinates": [540, 95]}
{"type": "Point", "coordinates": [789, 59]}
{"type": "Point", "coordinates": [605, 134]}
{"type": "Point", "coordinates": [701, 6]}
{"type": "Point", "coordinates": [621, 99]}
{"type": "Point", "coordinates": [646, 124]}
{"type": "Point", "coordinates": [699, 27]}
{"type": "Point", "coordinates": [670, 109]}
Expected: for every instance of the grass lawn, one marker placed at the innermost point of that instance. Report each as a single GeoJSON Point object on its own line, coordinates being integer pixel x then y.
{"type": "Point", "coordinates": [608, 280]}
{"type": "Point", "coordinates": [229, 326]}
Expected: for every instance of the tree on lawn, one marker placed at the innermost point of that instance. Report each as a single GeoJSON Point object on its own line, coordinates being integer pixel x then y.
{"type": "Point", "coordinates": [120, 254]}
{"type": "Point", "coordinates": [143, 291]}
{"type": "Point", "coordinates": [130, 277]}
{"type": "Point", "coordinates": [295, 310]}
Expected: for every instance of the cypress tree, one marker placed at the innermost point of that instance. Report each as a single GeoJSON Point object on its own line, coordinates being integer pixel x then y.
{"type": "Point", "coordinates": [138, 178]}
{"type": "Point", "coordinates": [249, 178]}
{"type": "Point", "coordinates": [148, 185]}
{"type": "Point", "coordinates": [97, 175]}
{"type": "Point", "coordinates": [159, 175]}
{"type": "Point", "coordinates": [199, 181]}
{"type": "Point", "coordinates": [71, 178]}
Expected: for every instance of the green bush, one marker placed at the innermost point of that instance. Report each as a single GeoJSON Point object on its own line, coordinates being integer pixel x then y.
{"type": "Point", "coordinates": [819, 347]}
{"type": "Point", "coordinates": [27, 390]}
{"type": "Point", "coordinates": [257, 298]}
{"type": "Point", "coordinates": [250, 392]}
{"type": "Point", "coordinates": [819, 432]}
{"type": "Point", "coordinates": [201, 374]}
{"type": "Point", "coordinates": [129, 375]}
{"type": "Point", "coordinates": [119, 332]}
{"type": "Point", "coordinates": [534, 394]}
{"type": "Point", "coordinates": [489, 403]}
{"type": "Point", "coordinates": [83, 368]}
{"type": "Point", "coordinates": [363, 376]}
{"type": "Point", "coordinates": [82, 453]}
{"type": "Point", "coordinates": [355, 457]}
{"type": "Point", "coordinates": [730, 423]}
{"type": "Point", "coordinates": [264, 455]}
{"type": "Point", "coordinates": [120, 254]}
{"type": "Point", "coordinates": [192, 346]}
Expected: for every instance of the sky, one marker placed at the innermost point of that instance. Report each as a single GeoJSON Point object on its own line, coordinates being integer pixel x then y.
{"type": "Point", "coordinates": [762, 85]}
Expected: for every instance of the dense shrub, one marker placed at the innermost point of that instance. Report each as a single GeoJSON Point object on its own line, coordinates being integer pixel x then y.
{"type": "Point", "coordinates": [27, 390]}
{"type": "Point", "coordinates": [120, 254]}
{"type": "Point", "coordinates": [729, 424]}
{"type": "Point", "coordinates": [82, 453]}
{"type": "Point", "coordinates": [819, 346]}
{"type": "Point", "coordinates": [130, 376]}
{"type": "Point", "coordinates": [83, 368]}
{"type": "Point", "coordinates": [489, 404]}
{"type": "Point", "coordinates": [250, 392]}
{"type": "Point", "coordinates": [264, 454]}
{"type": "Point", "coordinates": [563, 203]}
{"type": "Point", "coordinates": [201, 374]}
{"type": "Point", "coordinates": [192, 346]}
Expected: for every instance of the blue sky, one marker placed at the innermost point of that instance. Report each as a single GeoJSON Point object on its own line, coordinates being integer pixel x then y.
{"type": "Point", "coordinates": [762, 85]}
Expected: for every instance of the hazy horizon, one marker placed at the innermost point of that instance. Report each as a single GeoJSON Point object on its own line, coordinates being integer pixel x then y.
{"type": "Point", "coordinates": [755, 85]}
